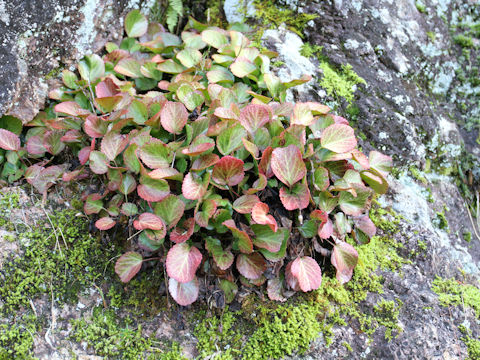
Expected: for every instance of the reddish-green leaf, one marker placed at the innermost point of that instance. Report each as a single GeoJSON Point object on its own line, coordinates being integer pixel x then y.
{"type": "Point", "coordinates": [93, 204]}
{"type": "Point", "coordinates": [130, 158]}
{"type": "Point", "coordinates": [155, 154]}
{"type": "Point", "coordinates": [258, 185]}
{"type": "Point", "coordinates": [275, 289]}
{"type": "Point", "coordinates": [228, 171]}
{"type": "Point", "coordinates": [35, 145]}
{"type": "Point", "coordinates": [297, 197]}
{"type": "Point", "coordinates": [129, 209]}
{"type": "Point", "coordinates": [344, 258]}
{"type": "Point", "coordinates": [184, 293]}
{"type": "Point", "coordinates": [265, 165]}
{"type": "Point", "coordinates": [366, 225]}
{"type": "Point", "coordinates": [173, 117]}
{"type": "Point", "coordinates": [71, 108]}
{"type": "Point", "coordinates": [205, 161]}
{"type": "Point", "coordinates": [52, 142]}
{"type": "Point", "coordinates": [245, 203]}
{"type": "Point", "coordinates": [170, 209]}
{"type": "Point", "coordinates": [338, 138]}
{"type": "Point", "coordinates": [244, 243]}
{"type": "Point", "coordinates": [113, 144]}
{"type": "Point", "coordinates": [95, 127]}
{"type": "Point", "coordinates": [325, 230]}
{"type": "Point", "coordinates": [127, 184]}
{"type": "Point", "coordinates": [197, 149]}
{"type": "Point", "coordinates": [260, 216]}
{"type": "Point", "coordinates": [381, 163]}
{"type": "Point", "coordinates": [189, 57]}
{"type": "Point", "coordinates": [98, 162]}
{"type": "Point", "coordinates": [209, 206]}
{"type": "Point", "coordinates": [105, 223]}
{"type": "Point", "coordinates": [9, 140]}
{"type": "Point", "coordinates": [307, 272]}
{"type": "Point", "coordinates": [214, 38]}
{"type": "Point", "coordinates": [252, 266]}
{"type": "Point", "coordinates": [182, 262]}
{"type": "Point", "coordinates": [230, 139]}
{"type": "Point", "coordinates": [195, 186]}
{"type": "Point", "coordinates": [149, 221]}
{"type": "Point", "coordinates": [254, 116]}
{"type": "Point", "coordinates": [152, 189]}
{"type": "Point", "coordinates": [375, 180]}
{"type": "Point", "coordinates": [302, 115]}
{"type": "Point", "coordinates": [287, 164]}
{"type": "Point", "coordinates": [321, 179]}
{"type": "Point", "coordinates": [128, 265]}
{"type": "Point", "coordinates": [352, 205]}
{"type": "Point", "coordinates": [183, 231]}
{"type": "Point", "coordinates": [242, 67]}
{"type": "Point", "coordinates": [165, 173]}
{"type": "Point", "coordinates": [223, 258]}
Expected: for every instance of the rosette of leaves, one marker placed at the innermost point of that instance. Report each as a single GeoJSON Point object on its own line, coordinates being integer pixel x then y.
{"type": "Point", "coordinates": [195, 146]}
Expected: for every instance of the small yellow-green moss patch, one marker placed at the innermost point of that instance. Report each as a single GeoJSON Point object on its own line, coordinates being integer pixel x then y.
{"type": "Point", "coordinates": [452, 292]}
{"type": "Point", "coordinates": [340, 82]}
{"type": "Point", "coordinates": [473, 345]}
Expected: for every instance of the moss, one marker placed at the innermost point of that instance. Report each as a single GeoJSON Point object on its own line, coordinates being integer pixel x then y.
{"type": "Point", "coordinates": [417, 174]}
{"type": "Point", "coordinates": [112, 338]}
{"type": "Point", "coordinates": [421, 7]}
{"type": "Point", "coordinates": [309, 50]}
{"type": "Point", "coordinates": [441, 221]}
{"type": "Point", "coordinates": [339, 82]}
{"type": "Point", "coordinates": [16, 339]}
{"type": "Point", "coordinates": [432, 36]}
{"type": "Point", "coordinates": [422, 245]}
{"type": "Point", "coordinates": [272, 16]}
{"type": "Point", "coordinates": [463, 41]}
{"type": "Point", "coordinates": [387, 316]}
{"type": "Point", "coordinates": [452, 292]}
{"type": "Point", "coordinates": [472, 344]}
{"type": "Point", "coordinates": [60, 259]}
{"type": "Point", "coordinates": [467, 236]}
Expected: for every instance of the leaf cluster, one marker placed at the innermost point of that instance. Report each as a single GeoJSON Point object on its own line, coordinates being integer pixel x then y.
{"type": "Point", "coordinates": [196, 147]}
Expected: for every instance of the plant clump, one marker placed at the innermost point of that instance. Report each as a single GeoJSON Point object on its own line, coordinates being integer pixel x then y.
{"type": "Point", "coordinates": [195, 147]}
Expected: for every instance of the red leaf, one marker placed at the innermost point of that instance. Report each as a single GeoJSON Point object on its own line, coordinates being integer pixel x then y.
{"type": "Point", "coordinates": [195, 150]}
{"type": "Point", "coordinates": [338, 138]}
{"type": "Point", "coordinates": [71, 108]}
{"type": "Point", "coordinates": [245, 203]}
{"type": "Point", "coordinates": [264, 166]}
{"type": "Point", "coordinates": [149, 221]}
{"type": "Point", "coordinates": [254, 116]}
{"type": "Point", "coordinates": [95, 127]}
{"type": "Point", "coordinates": [258, 185]}
{"type": "Point", "coordinates": [183, 261]}
{"type": "Point", "coordinates": [173, 117]}
{"type": "Point", "coordinates": [84, 155]}
{"type": "Point", "coordinates": [325, 230]}
{"type": "Point", "coordinates": [252, 266]}
{"type": "Point", "coordinates": [184, 293]}
{"type": "Point", "coordinates": [287, 164]}
{"type": "Point", "coordinates": [245, 244]}
{"type": "Point", "coordinates": [344, 258]}
{"type": "Point", "coordinates": [194, 187]}
{"type": "Point", "coordinates": [71, 136]}
{"type": "Point", "coordinates": [228, 171]}
{"type": "Point", "coordinates": [35, 145]}
{"type": "Point", "coordinates": [183, 231]}
{"type": "Point", "coordinates": [128, 265]}
{"type": "Point", "coordinates": [152, 189]}
{"type": "Point", "coordinates": [106, 88]}
{"type": "Point", "coordinates": [298, 197]}
{"type": "Point", "coordinates": [164, 173]}
{"type": "Point", "coordinates": [307, 272]}
{"type": "Point", "coordinates": [9, 140]}
{"type": "Point", "coordinates": [291, 280]}
{"type": "Point", "coordinates": [105, 223]}
{"type": "Point", "coordinates": [260, 216]}
{"type": "Point", "coordinates": [366, 225]}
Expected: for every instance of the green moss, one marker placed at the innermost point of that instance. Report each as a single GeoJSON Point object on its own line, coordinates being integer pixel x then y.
{"type": "Point", "coordinates": [441, 221]}
{"type": "Point", "coordinates": [59, 259]}
{"type": "Point", "coordinates": [112, 338]}
{"type": "Point", "coordinates": [387, 316]}
{"type": "Point", "coordinates": [421, 7]}
{"type": "Point", "coordinates": [463, 41]}
{"type": "Point", "coordinates": [16, 339]}
{"type": "Point", "coordinates": [467, 236]}
{"type": "Point", "coordinates": [452, 292]}
{"type": "Point", "coordinates": [473, 345]}
{"type": "Point", "coordinates": [417, 174]}
{"type": "Point", "coordinates": [422, 245]}
{"type": "Point", "coordinates": [272, 16]}
{"type": "Point", "coordinates": [432, 36]}
{"type": "Point", "coordinates": [309, 50]}
{"type": "Point", "coordinates": [339, 82]}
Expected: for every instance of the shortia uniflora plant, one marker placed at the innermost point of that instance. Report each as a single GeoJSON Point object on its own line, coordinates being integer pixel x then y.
{"type": "Point", "coordinates": [195, 146]}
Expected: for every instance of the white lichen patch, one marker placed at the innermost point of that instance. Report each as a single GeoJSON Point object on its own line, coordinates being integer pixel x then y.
{"type": "Point", "coordinates": [4, 16]}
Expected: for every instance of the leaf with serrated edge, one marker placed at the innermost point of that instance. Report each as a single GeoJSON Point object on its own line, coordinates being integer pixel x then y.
{"type": "Point", "coordinates": [260, 216]}
{"type": "Point", "coordinates": [254, 116]}
{"type": "Point", "coordinates": [9, 140]}
{"type": "Point", "coordinates": [245, 203]}
{"type": "Point", "coordinates": [228, 171]}
{"type": "Point", "coordinates": [344, 258]}
{"type": "Point", "coordinates": [381, 163]}
{"type": "Point", "coordinates": [297, 197]}
{"type": "Point", "coordinates": [205, 161]}
{"type": "Point", "coordinates": [266, 238]}
{"type": "Point", "coordinates": [128, 265]}
{"type": "Point", "coordinates": [98, 162]}
{"type": "Point", "coordinates": [183, 231]}
{"type": "Point", "coordinates": [194, 186]}
{"type": "Point", "coordinates": [302, 115]}
{"type": "Point", "coordinates": [182, 262]}
{"type": "Point", "coordinates": [149, 221]}
{"type": "Point", "coordinates": [170, 209]}
{"type": "Point", "coordinates": [223, 258]}
{"type": "Point", "coordinates": [338, 138]}
{"type": "Point", "coordinates": [287, 164]}
{"type": "Point", "coordinates": [173, 117]}
{"type": "Point", "coordinates": [113, 144]}
{"type": "Point", "coordinates": [184, 293]}
{"type": "Point", "coordinates": [252, 266]}
{"type": "Point", "coordinates": [366, 225]}
{"type": "Point", "coordinates": [307, 272]}
{"type": "Point", "coordinates": [245, 244]}
{"type": "Point", "coordinates": [105, 223]}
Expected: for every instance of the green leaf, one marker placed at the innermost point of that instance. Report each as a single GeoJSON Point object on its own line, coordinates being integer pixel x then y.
{"type": "Point", "coordinates": [138, 111]}
{"type": "Point", "coordinates": [11, 124]}
{"type": "Point", "coordinates": [91, 67]}
{"type": "Point", "coordinates": [214, 38]}
{"type": "Point", "coordinates": [223, 258]}
{"type": "Point", "coordinates": [266, 238]}
{"type": "Point", "coordinates": [136, 24]}
{"type": "Point", "coordinates": [189, 57]}
{"type": "Point", "coordinates": [230, 139]}
{"type": "Point", "coordinates": [230, 289]}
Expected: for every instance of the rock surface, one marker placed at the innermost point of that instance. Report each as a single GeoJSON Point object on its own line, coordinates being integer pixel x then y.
{"type": "Point", "coordinates": [38, 38]}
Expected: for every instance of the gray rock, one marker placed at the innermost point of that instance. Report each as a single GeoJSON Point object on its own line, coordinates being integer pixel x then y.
{"type": "Point", "coordinates": [238, 10]}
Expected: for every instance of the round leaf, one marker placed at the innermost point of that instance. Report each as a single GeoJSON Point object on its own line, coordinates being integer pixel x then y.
{"type": "Point", "coordinates": [184, 293]}
{"type": "Point", "coordinates": [136, 24]}
{"type": "Point", "coordinates": [338, 138]}
{"type": "Point", "coordinates": [128, 265]}
{"type": "Point", "coordinates": [287, 164]}
{"type": "Point", "coordinates": [182, 262]}
{"type": "Point", "coordinates": [307, 272]}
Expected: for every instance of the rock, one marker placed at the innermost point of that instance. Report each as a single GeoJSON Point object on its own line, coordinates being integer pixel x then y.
{"type": "Point", "coordinates": [238, 10]}
{"type": "Point", "coordinates": [39, 38]}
